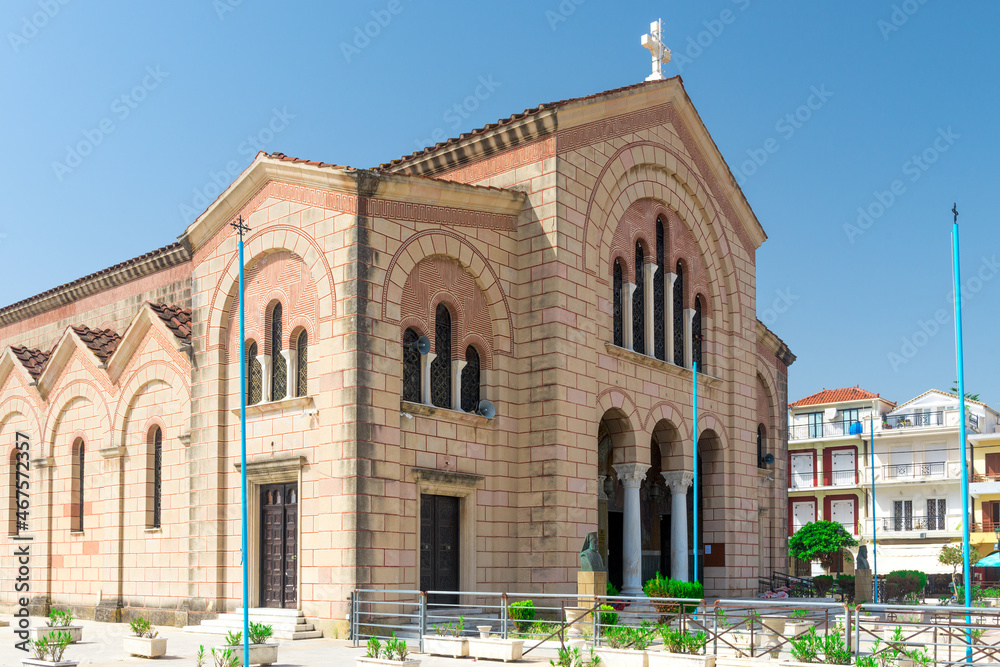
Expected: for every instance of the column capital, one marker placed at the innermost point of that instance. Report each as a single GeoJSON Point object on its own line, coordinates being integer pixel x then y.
{"type": "Point", "coordinates": [679, 480]}
{"type": "Point", "coordinates": [600, 487]}
{"type": "Point", "coordinates": [631, 474]}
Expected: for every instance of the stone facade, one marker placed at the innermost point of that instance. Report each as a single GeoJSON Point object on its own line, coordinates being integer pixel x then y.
{"type": "Point", "coordinates": [515, 230]}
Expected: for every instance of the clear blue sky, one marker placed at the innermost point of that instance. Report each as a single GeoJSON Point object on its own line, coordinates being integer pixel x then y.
{"type": "Point", "coordinates": [202, 81]}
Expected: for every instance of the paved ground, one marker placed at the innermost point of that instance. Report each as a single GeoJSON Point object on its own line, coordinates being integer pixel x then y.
{"type": "Point", "coordinates": [102, 647]}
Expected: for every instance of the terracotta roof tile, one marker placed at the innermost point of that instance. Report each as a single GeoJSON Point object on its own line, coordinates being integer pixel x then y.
{"type": "Point", "coordinates": [834, 396]}
{"type": "Point", "coordinates": [101, 342]}
{"type": "Point", "coordinates": [286, 158]}
{"type": "Point", "coordinates": [34, 360]}
{"type": "Point", "coordinates": [506, 121]}
{"type": "Point", "coordinates": [178, 320]}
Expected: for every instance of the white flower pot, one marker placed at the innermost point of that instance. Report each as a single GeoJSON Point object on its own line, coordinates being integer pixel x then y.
{"type": "Point", "coordinates": [743, 662]}
{"type": "Point", "coordinates": [622, 657]}
{"type": "Point", "coordinates": [46, 663]}
{"type": "Point", "coordinates": [496, 648]}
{"type": "Point", "coordinates": [75, 631]}
{"type": "Point", "coordinates": [456, 647]}
{"type": "Point", "coordinates": [363, 660]}
{"type": "Point", "coordinates": [260, 654]}
{"type": "Point", "coordinates": [774, 625]}
{"type": "Point", "coordinates": [144, 647]}
{"type": "Point", "coordinates": [664, 659]}
{"type": "Point", "coordinates": [796, 628]}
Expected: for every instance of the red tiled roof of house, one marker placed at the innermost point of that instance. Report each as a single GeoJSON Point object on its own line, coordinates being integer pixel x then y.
{"type": "Point", "coordinates": [34, 360]}
{"type": "Point", "coordinates": [101, 342]}
{"type": "Point", "coordinates": [286, 158]}
{"type": "Point", "coordinates": [506, 121]}
{"type": "Point", "coordinates": [834, 396]}
{"type": "Point", "coordinates": [178, 320]}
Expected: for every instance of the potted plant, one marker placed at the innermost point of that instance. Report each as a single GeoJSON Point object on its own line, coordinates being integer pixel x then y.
{"type": "Point", "coordinates": [798, 624]}
{"type": "Point", "coordinates": [261, 653]}
{"type": "Point", "coordinates": [494, 648]}
{"type": "Point", "coordinates": [48, 650]}
{"type": "Point", "coordinates": [681, 648]}
{"type": "Point", "coordinates": [392, 653]}
{"type": "Point", "coordinates": [448, 640]}
{"type": "Point", "coordinates": [571, 656]}
{"type": "Point", "coordinates": [61, 621]}
{"type": "Point", "coordinates": [626, 646]}
{"type": "Point", "coordinates": [807, 649]}
{"type": "Point", "coordinates": [145, 643]}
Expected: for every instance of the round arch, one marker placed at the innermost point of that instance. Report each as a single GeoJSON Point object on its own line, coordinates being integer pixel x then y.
{"type": "Point", "coordinates": [153, 371]}
{"type": "Point", "coordinates": [78, 389]}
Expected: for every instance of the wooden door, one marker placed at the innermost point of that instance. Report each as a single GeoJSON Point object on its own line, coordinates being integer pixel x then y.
{"type": "Point", "coordinates": [993, 466]}
{"type": "Point", "coordinates": [278, 545]}
{"type": "Point", "coordinates": [439, 546]}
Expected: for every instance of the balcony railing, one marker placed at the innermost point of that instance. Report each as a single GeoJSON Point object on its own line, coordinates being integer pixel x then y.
{"type": "Point", "coordinates": [842, 477]}
{"type": "Point", "coordinates": [832, 478]}
{"type": "Point", "coordinates": [976, 477]}
{"type": "Point", "coordinates": [824, 429]}
{"type": "Point", "coordinates": [986, 526]}
{"type": "Point", "coordinates": [913, 522]}
{"type": "Point", "coordinates": [913, 420]}
{"type": "Point", "coordinates": [902, 471]}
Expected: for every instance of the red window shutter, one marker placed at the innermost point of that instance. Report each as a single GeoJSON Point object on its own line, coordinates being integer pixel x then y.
{"type": "Point", "coordinates": [827, 465]}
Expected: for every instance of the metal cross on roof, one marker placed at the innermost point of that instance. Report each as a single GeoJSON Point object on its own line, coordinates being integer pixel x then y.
{"type": "Point", "coordinates": [240, 226]}
{"type": "Point", "coordinates": [659, 51]}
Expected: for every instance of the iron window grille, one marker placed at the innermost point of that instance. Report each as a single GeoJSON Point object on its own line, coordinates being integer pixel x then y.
{"type": "Point", "coordinates": [441, 366]}
{"type": "Point", "coordinates": [659, 286]}
{"type": "Point", "coordinates": [279, 369]}
{"type": "Point", "coordinates": [696, 337]}
{"type": "Point", "coordinates": [255, 376]}
{"type": "Point", "coordinates": [679, 316]}
{"type": "Point", "coordinates": [157, 476]}
{"type": "Point", "coordinates": [470, 380]}
{"type": "Point", "coordinates": [761, 446]}
{"type": "Point", "coordinates": [411, 367]}
{"type": "Point", "coordinates": [80, 458]}
{"type": "Point", "coordinates": [616, 295]}
{"type": "Point", "coordinates": [639, 303]}
{"type": "Point", "coordinates": [302, 364]}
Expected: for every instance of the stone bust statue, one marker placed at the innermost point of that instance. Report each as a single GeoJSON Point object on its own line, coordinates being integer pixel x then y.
{"type": "Point", "coordinates": [590, 558]}
{"type": "Point", "coordinates": [862, 561]}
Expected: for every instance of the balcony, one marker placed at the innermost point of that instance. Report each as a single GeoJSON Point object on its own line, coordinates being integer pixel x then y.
{"type": "Point", "coordinates": [914, 523]}
{"type": "Point", "coordinates": [987, 526]}
{"type": "Point", "coordinates": [836, 429]}
{"type": "Point", "coordinates": [913, 420]}
{"type": "Point", "coordinates": [902, 472]}
{"type": "Point", "coordinates": [827, 479]}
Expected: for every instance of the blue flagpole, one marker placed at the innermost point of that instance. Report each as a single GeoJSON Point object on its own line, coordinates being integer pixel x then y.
{"type": "Point", "coordinates": [959, 358]}
{"type": "Point", "coordinates": [694, 391]}
{"type": "Point", "coordinates": [240, 227]}
{"type": "Point", "coordinates": [874, 535]}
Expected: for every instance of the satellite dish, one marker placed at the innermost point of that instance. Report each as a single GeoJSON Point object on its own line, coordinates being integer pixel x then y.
{"type": "Point", "coordinates": [423, 345]}
{"type": "Point", "coordinates": [830, 413]}
{"type": "Point", "coordinates": [486, 409]}
{"type": "Point", "coordinates": [768, 459]}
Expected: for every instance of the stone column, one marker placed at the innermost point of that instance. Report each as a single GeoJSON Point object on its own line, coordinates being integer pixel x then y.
{"type": "Point", "coordinates": [678, 482]}
{"type": "Point", "coordinates": [631, 475]}
{"type": "Point", "coordinates": [688, 347]}
{"type": "Point", "coordinates": [425, 377]}
{"type": "Point", "coordinates": [668, 308]}
{"type": "Point", "coordinates": [602, 520]}
{"type": "Point", "coordinates": [649, 271]}
{"type": "Point", "coordinates": [628, 293]}
{"type": "Point", "coordinates": [456, 383]}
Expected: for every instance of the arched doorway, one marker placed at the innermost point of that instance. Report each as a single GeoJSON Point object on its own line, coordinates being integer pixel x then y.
{"type": "Point", "coordinates": [711, 504]}
{"type": "Point", "coordinates": [615, 445]}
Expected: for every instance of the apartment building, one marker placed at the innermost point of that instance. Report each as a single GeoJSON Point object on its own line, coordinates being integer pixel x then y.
{"type": "Point", "coordinates": [984, 489]}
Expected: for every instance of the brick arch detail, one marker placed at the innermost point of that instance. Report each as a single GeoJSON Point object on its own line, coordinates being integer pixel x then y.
{"type": "Point", "coordinates": [709, 422]}
{"type": "Point", "coordinates": [153, 371]}
{"type": "Point", "coordinates": [613, 398]}
{"type": "Point", "coordinates": [17, 405]}
{"type": "Point", "coordinates": [272, 239]}
{"type": "Point", "coordinates": [770, 386]}
{"type": "Point", "coordinates": [667, 411]}
{"type": "Point", "coordinates": [429, 243]}
{"type": "Point", "coordinates": [638, 225]}
{"type": "Point", "coordinates": [88, 391]}
{"type": "Point", "coordinates": [294, 327]}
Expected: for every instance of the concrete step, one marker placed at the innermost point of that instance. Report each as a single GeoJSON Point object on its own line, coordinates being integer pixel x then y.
{"type": "Point", "coordinates": [278, 634]}
{"type": "Point", "coordinates": [238, 625]}
{"type": "Point", "coordinates": [262, 618]}
{"type": "Point", "coordinates": [286, 623]}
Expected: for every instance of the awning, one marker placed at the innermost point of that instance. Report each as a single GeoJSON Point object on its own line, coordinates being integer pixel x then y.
{"type": "Point", "coordinates": [910, 557]}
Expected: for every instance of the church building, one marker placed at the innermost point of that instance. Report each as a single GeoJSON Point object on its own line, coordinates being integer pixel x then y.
{"type": "Point", "coordinates": [459, 363]}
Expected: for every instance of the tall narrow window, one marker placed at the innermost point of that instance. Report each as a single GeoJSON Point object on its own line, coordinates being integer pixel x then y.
{"type": "Point", "coordinates": [441, 366]}
{"type": "Point", "coordinates": [470, 380]}
{"type": "Point", "coordinates": [254, 375]}
{"type": "Point", "coordinates": [639, 303]}
{"type": "Point", "coordinates": [696, 337]}
{"type": "Point", "coordinates": [79, 450]}
{"type": "Point", "coordinates": [13, 526]}
{"type": "Point", "coordinates": [659, 315]}
{"type": "Point", "coordinates": [157, 476]}
{"type": "Point", "coordinates": [302, 364]}
{"type": "Point", "coordinates": [279, 370]}
{"type": "Point", "coordinates": [616, 296]}
{"type": "Point", "coordinates": [761, 446]}
{"type": "Point", "coordinates": [679, 316]}
{"type": "Point", "coordinates": [411, 367]}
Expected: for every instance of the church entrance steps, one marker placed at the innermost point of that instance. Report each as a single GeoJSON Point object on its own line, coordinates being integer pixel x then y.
{"type": "Point", "coordinates": [286, 623]}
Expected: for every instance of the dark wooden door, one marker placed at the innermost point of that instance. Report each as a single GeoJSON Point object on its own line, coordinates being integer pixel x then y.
{"type": "Point", "coordinates": [993, 466]}
{"type": "Point", "coordinates": [279, 518]}
{"type": "Point", "coordinates": [439, 546]}
{"type": "Point", "coordinates": [616, 533]}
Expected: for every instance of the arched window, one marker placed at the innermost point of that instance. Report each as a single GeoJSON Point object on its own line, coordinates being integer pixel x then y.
{"type": "Point", "coordinates": [279, 370]}
{"type": "Point", "coordinates": [302, 364]}
{"type": "Point", "coordinates": [79, 451]}
{"type": "Point", "coordinates": [679, 316]}
{"type": "Point", "coordinates": [761, 446]}
{"type": "Point", "coordinates": [470, 380]}
{"type": "Point", "coordinates": [411, 367]}
{"type": "Point", "coordinates": [255, 375]}
{"type": "Point", "coordinates": [639, 302]}
{"type": "Point", "coordinates": [156, 446]}
{"type": "Point", "coordinates": [659, 312]}
{"type": "Point", "coordinates": [616, 296]}
{"type": "Point", "coordinates": [696, 336]}
{"type": "Point", "coordinates": [13, 525]}
{"type": "Point", "coordinates": [441, 366]}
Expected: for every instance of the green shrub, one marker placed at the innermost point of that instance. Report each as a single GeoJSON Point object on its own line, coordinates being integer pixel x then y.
{"type": "Point", "coordinates": [59, 619]}
{"type": "Point", "coordinates": [822, 582]}
{"type": "Point", "coordinates": [611, 590]}
{"type": "Point", "coordinates": [904, 585]}
{"type": "Point", "coordinates": [373, 649]}
{"type": "Point", "coordinates": [143, 628]}
{"type": "Point", "coordinates": [523, 614]}
{"type": "Point", "coordinates": [260, 633]}
{"type": "Point", "coordinates": [664, 587]}
{"type": "Point", "coordinates": [395, 649]}
{"type": "Point", "coordinates": [845, 582]}
{"type": "Point", "coordinates": [679, 641]}
{"type": "Point", "coordinates": [607, 616]}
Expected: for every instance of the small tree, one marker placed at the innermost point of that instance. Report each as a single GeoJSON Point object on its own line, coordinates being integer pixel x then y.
{"type": "Point", "coordinates": [821, 541]}
{"type": "Point", "coordinates": [951, 554]}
